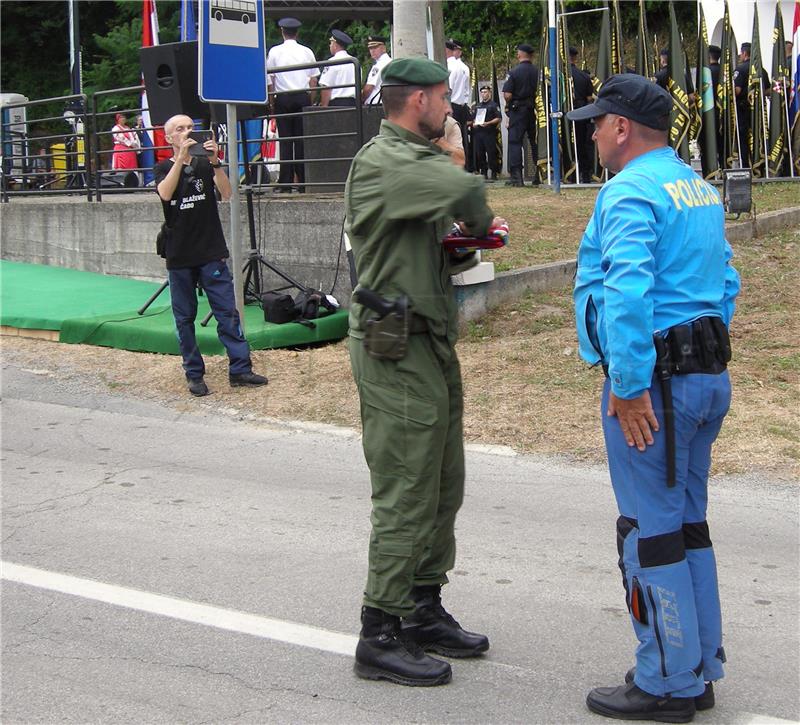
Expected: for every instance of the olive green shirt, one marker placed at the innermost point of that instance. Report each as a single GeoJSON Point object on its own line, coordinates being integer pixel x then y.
{"type": "Point", "coordinates": [401, 198]}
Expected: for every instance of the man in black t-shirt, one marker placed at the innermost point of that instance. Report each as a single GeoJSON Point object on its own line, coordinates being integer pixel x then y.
{"type": "Point", "coordinates": [195, 252]}
{"type": "Point", "coordinates": [519, 92]}
{"type": "Point", "coordinates": [484, 122]}
{"type": "Point", "coordinates": [741, 83]}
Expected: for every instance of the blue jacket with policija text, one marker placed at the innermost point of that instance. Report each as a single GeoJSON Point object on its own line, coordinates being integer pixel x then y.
{"type": "Point", "coordinates": [651, 258]}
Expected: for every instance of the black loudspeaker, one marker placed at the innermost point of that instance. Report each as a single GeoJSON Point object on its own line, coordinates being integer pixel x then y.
{"type": "Point", "coordinates": [170, 78]}
{"type": "Point", "coordinates": [333, 174]}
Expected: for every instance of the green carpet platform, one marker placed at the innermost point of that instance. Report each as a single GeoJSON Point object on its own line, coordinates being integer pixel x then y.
{"type": "Point", "coordinates": [99, 309]}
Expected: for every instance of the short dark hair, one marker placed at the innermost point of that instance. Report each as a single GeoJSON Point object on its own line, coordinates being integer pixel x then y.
{"type": "Point", "coordinates": [394, 98]}
{"type": "Point", "coordinates": [289, 32]}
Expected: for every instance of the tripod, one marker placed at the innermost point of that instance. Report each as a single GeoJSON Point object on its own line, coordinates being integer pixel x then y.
{"type": "Point", "coordinates": [255, 260]}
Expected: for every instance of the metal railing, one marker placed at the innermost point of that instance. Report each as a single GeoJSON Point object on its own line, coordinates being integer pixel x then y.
{"type": "Point", "coordinates": [78, 149]}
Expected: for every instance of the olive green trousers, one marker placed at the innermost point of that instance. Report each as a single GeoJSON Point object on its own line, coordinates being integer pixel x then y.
{"type": "Point", "coordinates": [412, 420]}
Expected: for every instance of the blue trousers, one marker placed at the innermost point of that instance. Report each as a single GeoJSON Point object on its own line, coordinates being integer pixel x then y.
{"type": "Point", "coordinates": [666, 557]}
{"type": "Point", "coordinates": [215, 279]}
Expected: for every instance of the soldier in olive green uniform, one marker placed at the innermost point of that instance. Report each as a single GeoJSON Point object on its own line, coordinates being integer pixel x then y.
{"type": "Point", "coordinates": [402, 196]}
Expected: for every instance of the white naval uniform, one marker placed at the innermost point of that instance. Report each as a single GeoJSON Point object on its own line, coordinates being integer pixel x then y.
{"type": "Point", "coordinates": [374, 78]}
{"type": "Point", "coordinates": [338, 75]}
{"type": "Point", "coordinates": [290, 128]}
{"type": "Point", "coordinates": [290, 52]}
{"type": "Point", "coordinates": [459, 81]}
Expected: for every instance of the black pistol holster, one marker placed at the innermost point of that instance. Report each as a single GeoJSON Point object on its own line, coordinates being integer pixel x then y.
{"type": "Point", "coordinates": [386, 333]}
{"type": "Point", "coordinates": [703, 346]}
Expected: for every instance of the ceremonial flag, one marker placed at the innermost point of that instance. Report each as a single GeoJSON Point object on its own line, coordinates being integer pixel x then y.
{"type": "Point", "coordinates": [794, 104]}
{"type": "Point", "coordinates": [603, 69]}
{"type": "Point", "coordinates": [565, 102]}
{"type": "Point", "coordinates": [755, 95]}
{"type": "Point", "coordinates": [644, 59]}
{"type": "Point", "coordinates": [150, 137]}
{"type": "Point", "coordinates": [706, 104]}
{"type": "Point", "coordinates": [497, 99]}
{"type": "Point", "coordinates": [617, 60]}
{"type": "Point", "coordinates": [676, 86]}
{"type": "Point", "coordinates": [726, 95]}
{"type": "Point", "coordinates": [778, 136]}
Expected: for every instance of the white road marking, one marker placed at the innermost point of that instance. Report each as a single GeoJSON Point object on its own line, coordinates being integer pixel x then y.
{"type": "Point", "coordinates": [187, 611]}
{"type": "Point", "coordinates": [228, 619]}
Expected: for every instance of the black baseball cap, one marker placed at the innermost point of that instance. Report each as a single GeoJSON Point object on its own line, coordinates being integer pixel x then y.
{"type": "Point", "coordinates": [632, 96]}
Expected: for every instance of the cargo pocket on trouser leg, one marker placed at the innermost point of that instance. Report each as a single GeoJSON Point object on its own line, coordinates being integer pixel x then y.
{"type": "Point", "coordinates": [661, 602]}
{"type": "Point", "coordinates": [390, 574]}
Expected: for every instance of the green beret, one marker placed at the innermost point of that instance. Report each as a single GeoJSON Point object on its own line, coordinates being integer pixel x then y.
{"type": "Point", "coordinates": [414, 71]}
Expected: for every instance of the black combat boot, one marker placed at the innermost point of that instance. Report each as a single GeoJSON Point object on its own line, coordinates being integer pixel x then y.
{"type": "Point", "coordinates": [628, 702]}
{"type": "Point", "coordinates": [516, 178]}
{"type": "Point", "coordinates": [702, 702]}
{"type": "Point", "coordinates": [433, 629]}
{"type": "Point", "coordinates": [383, 654]}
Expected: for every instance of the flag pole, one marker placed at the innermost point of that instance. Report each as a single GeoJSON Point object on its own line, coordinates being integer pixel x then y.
{"type": "Point", "coordinates": [554, 116]}
{"type": "Point", "coordinates": [788, 127]}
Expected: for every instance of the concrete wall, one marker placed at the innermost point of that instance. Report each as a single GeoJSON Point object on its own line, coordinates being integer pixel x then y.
{"type": "Point", "coordinates": [300, 235]}
{"type": "Point", "coordinates": [117, 236]}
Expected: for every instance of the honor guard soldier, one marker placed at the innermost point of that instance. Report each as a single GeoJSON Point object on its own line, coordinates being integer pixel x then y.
{"type": "Point", "coordinates": [741, 82]}
{"type": "Point", "coordinates": [376, 45]}
{"type": "Point", "coordinates": [519, 92]}
{"type": "Point", "coordinates": [290, 89]}
{"type": "Point", "coordinates": [459, 86]}
{"type": "Point", "coordinates": [485, 122]}
{"type": "Point", "coordinates": [582, 93]}
{"type": "Point", "coordinates": [339, 75]}
{"type": "Point", "coordinates": [401, 197]}
{"type": "Point", "coordinates": [654, 295]}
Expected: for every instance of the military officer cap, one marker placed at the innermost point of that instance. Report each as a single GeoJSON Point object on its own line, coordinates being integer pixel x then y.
{"type": "Point", "coordinates": [746, 47]}
{"type": "Point", "coordinates": [373, 40]}
{"type": "Point", "coordinates": [452, 44]}
{"type": "Point", "coordinates": [485, 88]}
{"type": "Point", "coordinates": [413, 71]}
{"type": "Point", "coordinates": [525, 48]}
{"type": "Point", "coordinates": [341, 38]}
{"type": "Point", "coordinates": [632, 96]}
{"type": "Point", "coordinates": [289, 23]}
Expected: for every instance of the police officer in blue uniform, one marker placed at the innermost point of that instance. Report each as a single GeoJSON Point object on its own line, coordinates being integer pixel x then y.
{"type": "Point", "coordinates": [519, 92]}
{"type": "Point", "coordinates": [654, 295]}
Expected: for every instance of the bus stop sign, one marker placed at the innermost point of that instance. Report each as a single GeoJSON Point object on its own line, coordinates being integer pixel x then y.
{"type": "Point", "coordinates": [232, 66]}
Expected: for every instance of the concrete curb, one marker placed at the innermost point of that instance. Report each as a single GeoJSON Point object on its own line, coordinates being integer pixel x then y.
{"type": "Point", "coordinates": [476, 300]}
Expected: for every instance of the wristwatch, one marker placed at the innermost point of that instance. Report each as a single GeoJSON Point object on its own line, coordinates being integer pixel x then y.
{"type": "Point", "coordinates": [218, 165]}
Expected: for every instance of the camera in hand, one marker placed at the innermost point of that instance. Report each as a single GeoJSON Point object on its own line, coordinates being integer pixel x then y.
{"type": "Point", "coordinates": [201, 137]}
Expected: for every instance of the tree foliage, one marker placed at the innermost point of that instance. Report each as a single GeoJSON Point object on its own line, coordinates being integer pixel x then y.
{"type": "Point", "coordinates": [34, 43]}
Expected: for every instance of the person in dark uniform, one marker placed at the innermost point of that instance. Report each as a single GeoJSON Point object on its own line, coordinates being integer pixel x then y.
{"type": "Point", "coordinates": [582, 93]}
{"type": "Point", "coordinates": [741, 81]}
{"type": "Point", "coordinates": [714, 54]}
{"type": "Point", "coordinates": [519, 92]}
{"type": "Point", "coordinates": [485, 120]}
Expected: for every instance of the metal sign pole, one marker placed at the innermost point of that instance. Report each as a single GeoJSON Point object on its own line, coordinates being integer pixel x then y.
{"type": "Point", "coordinates": [236, 227]}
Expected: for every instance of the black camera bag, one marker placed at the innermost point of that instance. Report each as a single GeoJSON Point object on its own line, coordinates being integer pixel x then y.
{"type": "Point", "coordinates": [278, 307]}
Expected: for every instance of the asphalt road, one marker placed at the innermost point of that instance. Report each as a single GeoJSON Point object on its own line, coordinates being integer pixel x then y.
{"type": "Point", "coordinates": [172, 567]}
